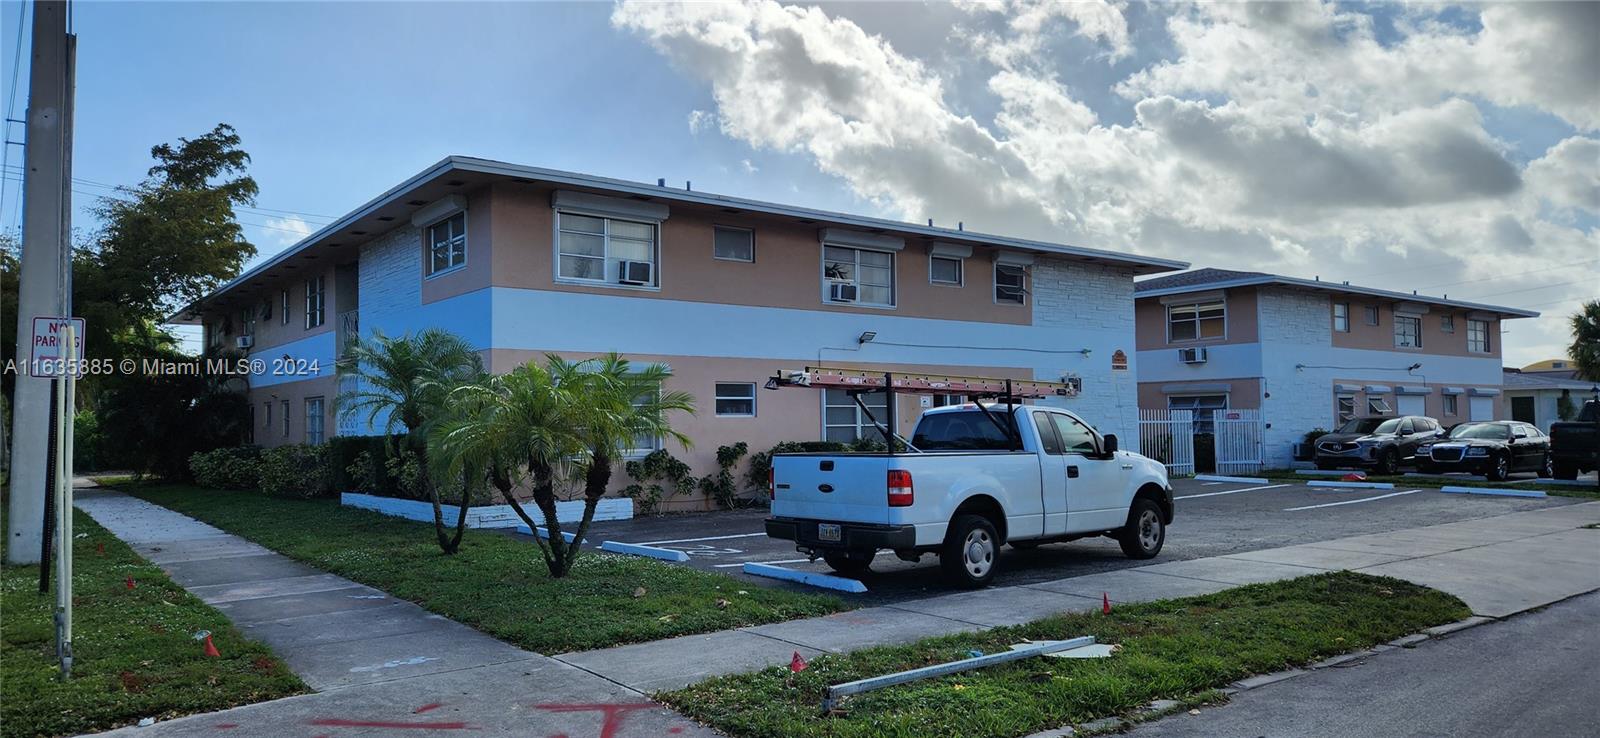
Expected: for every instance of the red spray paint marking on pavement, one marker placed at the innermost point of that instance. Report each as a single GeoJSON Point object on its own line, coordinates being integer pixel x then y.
{"type": "Point", "coordinates": [428, 707]}
{"type": "Point", "coordinates": [225, 726]}
{"type": "Point", "coordinates": [342, 723]}
{"type": "Point", "coordinates": [615, 715]}
{"type": "Point", "coordinates": [676, 729]}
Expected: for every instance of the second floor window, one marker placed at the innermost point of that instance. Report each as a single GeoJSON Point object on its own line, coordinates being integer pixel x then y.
{"type": "Point", "coordinates": [858, 276]}
{"type": "Point", "coordinates": [1447, 323]}
{"type": "Point", "coordinates": [314, 302]}
{"type": "Point", "coordinates": [283, 314]}
{"type": "Point", "coordinates": [247, 322]}
{"type": "Point", "coordinates": [447, 243]}
{"type": "Point", "coordinates": [1198, 321]}
{"type": "Point", "coordinates": [944, 270]}
{"type": "Point", "coordinates": [1372, 315]}
{"type": "Point", "coordinates": [1407, 331]}
{"type": "Point", "coordinates": [1478, 336]}
{"type": "Point", "coordinates": [1341, 317]}
{"type": "Point", "coordinates": [733, 244]}
{"type": "Point", "coordinates": [607, 251]}
{"type": "Point", "coordinates": [1010, 284]}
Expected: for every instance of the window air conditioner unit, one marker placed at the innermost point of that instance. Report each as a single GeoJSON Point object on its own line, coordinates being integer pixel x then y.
{"type": "Point", "coordinates": [247, 341]}
{"type": "Point", "coordinates": [634, 272]}
{"type": "Point", "coordinates": [842, 292]}
{"type": "Point", "coordinates": [1196, 355]}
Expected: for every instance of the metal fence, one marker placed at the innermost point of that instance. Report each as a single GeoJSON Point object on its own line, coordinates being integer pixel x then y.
{"type": "Point", "coordinates": [1238, 440]}
{"type": "Point", "coordinates": [1168, 437]}
{"type": "Point", "coordinates": [1231, 442]}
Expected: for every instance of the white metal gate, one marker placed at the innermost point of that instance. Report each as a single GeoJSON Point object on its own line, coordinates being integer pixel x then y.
{"type": "Point", "coordinates": [1168, 437]}
{"type": "Point", "coordinates": [1238, 440]}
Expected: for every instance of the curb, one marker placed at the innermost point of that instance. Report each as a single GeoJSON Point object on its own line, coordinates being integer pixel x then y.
{"type": "Point", "coordinates": [545, 534]}
{"type": "Point", "coordinates": [1350, 485]}
{"type": "Point", "coordinates": [651, 552]}
{"type": "Point", "coordinates": [1241, 480]}
{"type": "Point", "coordinates": [805, 577]}
{"type": "Point", "coordinates": [1493, 491]}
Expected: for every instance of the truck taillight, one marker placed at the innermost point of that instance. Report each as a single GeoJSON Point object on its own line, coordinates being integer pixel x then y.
{"type": "Point", "coordinates": [900, 493]}
{"type": "Point", "coordinates": [772, 484]}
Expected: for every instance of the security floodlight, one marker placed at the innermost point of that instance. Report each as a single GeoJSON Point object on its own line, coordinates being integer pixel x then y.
{"type": "Point", "coordinates": [1413, 367]}
{"type": "Point", "coordinates": [866, 337]}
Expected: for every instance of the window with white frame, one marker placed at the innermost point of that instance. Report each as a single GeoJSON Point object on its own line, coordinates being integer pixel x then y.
{"type": "Point", "coordinates": [314, 302]}
{"type": "Point", "coordinates": [1447, 323]}
{"type": "Point", "coordinates": [1372, 314]}
{"type": "Point", "coordinates": [607, 250]}
{"type": "Point", "coordinates": [843, 421]}
{"type": "Point", "coordinates": [1379, 405]}
{"type": "Point", "coordinates": [1197, 321]}
{"type": "Point", "coordinates": [1450, 407]}
{"type": "Point", "coordinates": [1010, 284]}
{"type": "Point", "coordinates": [733, 244]}
{"type": "Point", "coordinates": [945, 270]}
{"type": "Point", "coordinates": [1346, 407]}
{"type": "Point", "coordinates": [447, 243]}
{"type": "Point", "coordinates": [247, 322]}
{"type": "Point", "coordinates": [1341, 317]}
{"type": "Point", "coordinates": [283, 312]}
{"type": "Point", "coordinates": [314, 421]}
{"type": "Point", "coordinates": [1201, 406]}
{"type": "Point", "coordinates": [1407, 331]}
{"type": "Point", "coordinates": [736, 400]}
{"type": "Point", "coordinates": [644, 443]}
{"type": "Point", "coordinates": [1478, 336]}
{"type": "Point", "coordinates": [870, 272]}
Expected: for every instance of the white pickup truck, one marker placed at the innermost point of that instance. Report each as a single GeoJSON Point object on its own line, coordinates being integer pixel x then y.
{"type": "Point", "coordinates": [966, 485]}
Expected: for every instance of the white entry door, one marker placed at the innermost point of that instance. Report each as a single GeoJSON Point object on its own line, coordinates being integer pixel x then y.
{"type": "Point", "coordinates": [1413, 405]}
{"type": "Point", "coordinates": [1482, 408]}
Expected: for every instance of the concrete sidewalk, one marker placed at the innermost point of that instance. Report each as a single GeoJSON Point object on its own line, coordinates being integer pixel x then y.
{"type": "Point", "coordinates": [379, 664]}
{"type": "Point", "coordinates": [1499, 566]}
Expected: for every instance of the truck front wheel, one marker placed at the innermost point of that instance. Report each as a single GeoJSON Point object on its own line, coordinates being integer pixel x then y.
{"type": "Point", "coordinates": [1144, 534]}
{"type": "Point", "coordinates": [970, 552]}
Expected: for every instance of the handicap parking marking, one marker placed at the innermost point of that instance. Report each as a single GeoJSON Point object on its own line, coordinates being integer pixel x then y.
{"type": "Point", "coordinates": [703, 549]}
{"type": "Point", "coordinates": [697, 540]}
{"type": "Point", "coordinates": [780, 561]}
{"type": "Point", "coordinates": [1351, 502]}
{"type": "Point", "coordinates": [1233, 491]}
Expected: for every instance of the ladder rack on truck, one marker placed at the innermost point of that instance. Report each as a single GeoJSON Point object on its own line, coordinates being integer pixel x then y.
{"type": "Point", "coordinates": [857, 382]}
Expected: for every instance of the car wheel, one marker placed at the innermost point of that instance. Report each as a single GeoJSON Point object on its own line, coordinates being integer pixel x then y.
{"type": "Point", "coordinates": [1565, 470]}
{"type": "Point", "coordinates": [1499, 469]}
{"type": "Point", "coordinates": [850, 564]}
{"type": "Point", "coordinates": [1145, 532]}
{"type": "Point", "coordinates": [971, 551]}
{"type": "Point", "coordinates": [1548, 468]}
{"type": "Point", "coordinates": [1389, 463]}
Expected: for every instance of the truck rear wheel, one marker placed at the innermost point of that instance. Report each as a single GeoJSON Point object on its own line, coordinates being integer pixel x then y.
{"type": "Point", "coordinates": [970, 552]}
{"type": "Point", "coordinates": [1145, 532]}
{"type": "Point", "coordinates": [850, 564]}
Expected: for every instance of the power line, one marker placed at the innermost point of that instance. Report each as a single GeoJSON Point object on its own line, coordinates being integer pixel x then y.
{"type": "Point", "coordinates": [11, 101]}
{"type": "Point", "coordinates": [12, 170]}
{"type": "Point", "coordinates": [1529, 289]}
{"type": "Point", "coordinates": [236, 218]}
{"type": "Point", "coordinates": [1508, 276]}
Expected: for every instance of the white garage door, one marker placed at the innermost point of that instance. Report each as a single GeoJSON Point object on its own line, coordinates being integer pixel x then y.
{"type": "Point", "coordinates": [1413, 405]}
{"type": "Point", "coordinates": [1482, 408]}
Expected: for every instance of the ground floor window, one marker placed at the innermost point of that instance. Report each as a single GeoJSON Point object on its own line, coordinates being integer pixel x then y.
{"type": "Point", "coordinates": [1379, 405]}
{"type": "Point", "coordinates": [284, 406]}
{"type": "Point", "coordinates": [314, 421]}
{"type": "Point", "coordinates": [1202, 405]}
{"type": "Point", "coordinates": [1450, 406]}
{"type": "Point", "coordinates": [1347, 408]}
{"type": "Point", "coordinates": [736, 400]}
{"type": "Point", "coordinates": [644, 443]}
{"type": "Point", "coordinates": [842, 419]}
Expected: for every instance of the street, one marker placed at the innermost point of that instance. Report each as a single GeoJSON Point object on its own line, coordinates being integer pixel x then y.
{"type": "Point", "coordinates": [1212, 519]}
{"type": "Point", "coordinates": [1534, 674]}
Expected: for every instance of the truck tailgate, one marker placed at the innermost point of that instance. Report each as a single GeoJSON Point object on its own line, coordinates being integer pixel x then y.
{"type": "Point", "coordinates": [849, 488]}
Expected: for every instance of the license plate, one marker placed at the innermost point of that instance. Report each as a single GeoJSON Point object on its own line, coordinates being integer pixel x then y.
{"type": "Point", "coordinates": [828, 532]}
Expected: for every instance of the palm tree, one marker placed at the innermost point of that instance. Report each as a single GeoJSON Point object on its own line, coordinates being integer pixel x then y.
{"type": "Point", "coordinates": [552, 424]}
{"type": "Point", "coordinates": [407, 380]}
{"type": "Point", "coordinates": [1585, 348]}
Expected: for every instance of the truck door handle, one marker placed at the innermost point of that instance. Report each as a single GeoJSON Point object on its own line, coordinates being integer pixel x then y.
{"type": "Point", "coordinates": [1072, 472]}
{"type": "Point", "coordinates": [1127, 466]}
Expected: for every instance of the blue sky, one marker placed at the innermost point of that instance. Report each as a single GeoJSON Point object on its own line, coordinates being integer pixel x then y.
{"type": "Point", "coordinates": [1203, 133]}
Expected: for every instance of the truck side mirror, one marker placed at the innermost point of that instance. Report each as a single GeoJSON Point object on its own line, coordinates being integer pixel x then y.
{"type": "Point", "coordinates": [1110, 443]}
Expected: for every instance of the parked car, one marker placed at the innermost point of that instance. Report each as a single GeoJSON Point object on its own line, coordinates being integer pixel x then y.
{"type": "Point", "coordinates": [1380, 444]}
{"type": "Point", "coordinates": [1494, 449]}
{"type": "Point", "coordinates": [1575, 444]}
{"type": "Point", "coordinates": [975, 478]}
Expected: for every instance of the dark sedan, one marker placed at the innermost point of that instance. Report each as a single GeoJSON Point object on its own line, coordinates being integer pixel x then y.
{"type": "Point", "coordinates": [1379, 444]}
{"type": "Point", "coordinates": [1493, 449]}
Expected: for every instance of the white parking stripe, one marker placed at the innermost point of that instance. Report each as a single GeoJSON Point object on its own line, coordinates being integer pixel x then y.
{"type": "Point", "coordinates": [707, 538]}
{"type": "Point", "coordinates": [1230, 491]}
{"type": "Point", "coordinates": [784, 561]}
{"type": "Point", "coordinates": [1209, 484]}
{"type": "Point", "coordinates": [1351, 502]}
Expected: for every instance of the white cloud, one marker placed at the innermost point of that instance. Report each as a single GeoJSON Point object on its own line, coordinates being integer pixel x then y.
{"type": "Point", "coordinates": [1297, 138]}
{"type": "Point", "coordinates": [749, 168]}
{"type": "Point", "coordinates": [287, 230]}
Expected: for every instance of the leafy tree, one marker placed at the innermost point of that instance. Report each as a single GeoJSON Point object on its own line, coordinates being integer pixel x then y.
{"type": "Point", "coordinates": [1585, 348]}
{"type": "Point", "coordinates": [159, 420]}
{"type": "Point", "coordinates": [557, 425]}
{"type": "Point", "coordinates": [407, 380]}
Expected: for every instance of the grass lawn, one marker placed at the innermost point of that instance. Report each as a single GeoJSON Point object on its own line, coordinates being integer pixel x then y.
{"type": "Point", "coordinates": [135, 656]}
{"type": "Point", "coordinates": [1172, 649]}
{"type": "Point", "coordinates": [496, 583]}
{"type": "Point", "coordinates": [1591, 492]}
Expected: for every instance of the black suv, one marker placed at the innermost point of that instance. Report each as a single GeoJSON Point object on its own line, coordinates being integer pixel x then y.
{"type": "Point", "coordinates": [1379, 444]}
{"type": "Point", "coordinates": [1494, 449]}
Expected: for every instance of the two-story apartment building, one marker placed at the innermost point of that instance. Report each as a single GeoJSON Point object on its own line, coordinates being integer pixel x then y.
{"type": "Point", "coordinates": [1310, 354]}
{"type": "Point", "coordinates": [521, 261]}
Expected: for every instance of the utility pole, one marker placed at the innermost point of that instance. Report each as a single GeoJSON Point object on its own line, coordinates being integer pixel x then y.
{"type": "Point", "coordinates": [46, 279]}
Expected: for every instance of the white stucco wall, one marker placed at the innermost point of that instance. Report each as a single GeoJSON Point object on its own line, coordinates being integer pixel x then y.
{"type": "Point", "coordinates": [1095, 304]}
{"type": "Point", "coordinates": [1293, 325]}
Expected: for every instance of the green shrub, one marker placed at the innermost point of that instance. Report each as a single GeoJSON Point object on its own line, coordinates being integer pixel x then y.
{"type": "Point", "coordinates": [720, 486]}
{"type": "Point", "coordinates": [653, 475]}
{"type": "Point", "coordinates": [298, 471]}
{"type": "Point", "coordinates": [227, 468]}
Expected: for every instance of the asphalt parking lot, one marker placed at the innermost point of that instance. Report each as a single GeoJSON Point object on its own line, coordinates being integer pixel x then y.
{"type": "Point", "coordinates": [1212, 519]}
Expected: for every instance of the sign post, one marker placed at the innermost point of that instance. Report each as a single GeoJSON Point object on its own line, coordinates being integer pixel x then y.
{"type": "Point", "coordinates": [66, 387]}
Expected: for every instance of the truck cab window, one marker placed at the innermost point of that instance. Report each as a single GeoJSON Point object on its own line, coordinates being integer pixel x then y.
{"type": "Point", "coordinates": [1048, 440]}
{"type": "Point", "coordinates": [964, 430]}
{"type": "Point", "coordinates": [1076, 438]}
